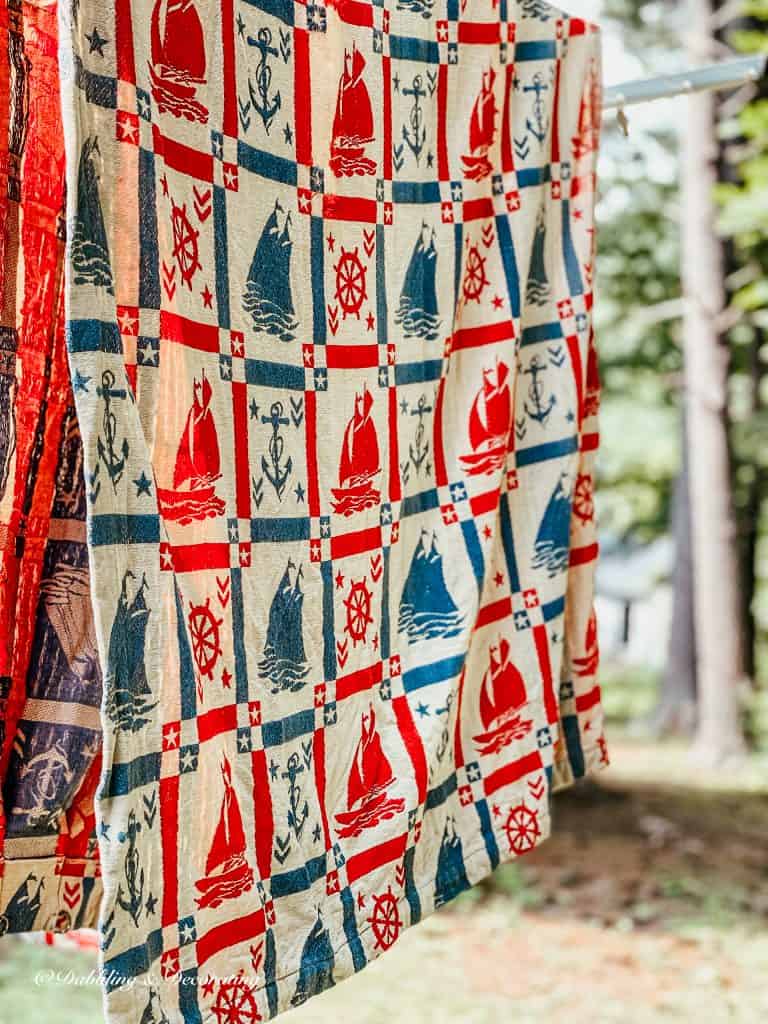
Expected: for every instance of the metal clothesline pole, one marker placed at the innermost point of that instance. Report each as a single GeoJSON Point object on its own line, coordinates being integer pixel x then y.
{"type": "Point", "coordinates": [727, 74]}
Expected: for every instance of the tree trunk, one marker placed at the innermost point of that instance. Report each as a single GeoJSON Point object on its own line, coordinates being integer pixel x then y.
{"type": "Point", "coordinates": [719, 644]}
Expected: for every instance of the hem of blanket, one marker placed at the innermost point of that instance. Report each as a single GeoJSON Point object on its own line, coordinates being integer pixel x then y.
{"type": "Point", "coordinates": [477, 864]}
{"type": "Point", "coordinates": [593, 759]}
{"type": "Point", "coordinates": [68, 888]}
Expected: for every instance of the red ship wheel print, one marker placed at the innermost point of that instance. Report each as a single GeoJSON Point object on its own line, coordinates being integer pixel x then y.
{"type": "Point", "coordinates": [475, 277]}
{"type": "Point", "coordinates": [358, 605]}
{"type": "Point", "coordinates": [204, 627]}
{"type": "Point", "coordinates": [351, 290]}
{"type": "Point", "coordinates": [235, 1003]}
{"type": "Point", "coordinates": [583, 498]}
{"type": "Point", "coordinates": [185, 248]}
{"type": "Point", "coordinates": [385, 920]}
{"type": "Point", "coordinates": [522, 828]}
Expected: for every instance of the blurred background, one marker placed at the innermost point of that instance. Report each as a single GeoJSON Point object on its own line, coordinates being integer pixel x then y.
{"type": "Point", "coordinates": [650, 901]}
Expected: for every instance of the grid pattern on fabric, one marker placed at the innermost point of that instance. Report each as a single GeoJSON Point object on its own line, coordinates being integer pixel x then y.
{"type": "Point", "coordinates": [329, 326]}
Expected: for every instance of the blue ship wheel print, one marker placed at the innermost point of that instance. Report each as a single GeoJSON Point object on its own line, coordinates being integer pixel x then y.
{"type": "Point", "coordinates": [204, 628]}
{"type": "Point", "coordinates": [235, 1003]}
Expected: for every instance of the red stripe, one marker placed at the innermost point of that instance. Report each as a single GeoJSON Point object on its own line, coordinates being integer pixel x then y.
{"type": "Point", "coordinates": [229, 934]}
{"type": "Point", "coordinates": [302, 89]}
{"type": "Point", "coordinates": [484, 503]}
{"type": "Point", "coordinates": [441, 474]}
{"type": "Point", "coordinates": [192, 557]}
{"type": "Point", "coordinates": [355, 13]}
{"type": "Point", "coordinates": [582, 556]}
{"type": "Point", "coordinates": [264, 825]}
{"type": "Point", "coordinates": [358, 682]}
{"type": "Point", "coordinates": [395, 490]}
{"type": "Point", "coordinates": [126, 67]}
{"type": "Point", "coordinates": [192, 162]}
{"type": "Point", "coordinates": [319, 756]}
{"type": "Point", "coordinates": [588, 700]}
{"type": "Point", "coordinates": [413, 745]}
{"type": "Point", "coordinates": [458, 748]}
{"type": "Point", "coordinates": [385, 853]}
{"type": "Point", "coordinates": [589, 442]}
{"type": "Point", "coordinates": [487, 334]}
{"type": "Point", "coordinates": [578, 376]}
{"type": "Point", "coordinates": [477, 209]}
{"type": "Point", "coordinates": [351, 357]}
{"type": "Point", "coordinates": [512, 772]}
{"type": "Point", "coordinates": [349, 208]}
{"type": "Point", "coordinates": [442, 140]}
{"type": "Point", "coordinates": [476, 32]}
{"type": "Point", "coordinates": [387, 86]}
{"type": "Point", "coordinates": [229, 113]}
{"type": "Point", "coordinates": [203, 337]}
{"type": "Point", "coordinates": [356, 543]}
{"type": "Point", "coordinates": [507, 153]}
{"type": "Point", "coordinates": [169, 827]}
{"type": "Point", "coordinates": [494, 612]}
{"type": "Point", "coordinates": [541, 639]}
{"type": "Point", "coordinates": [310, 418]}
{"type": "Point", "coordinates": [240, 431]}
{"type": "Point", "coordinates": [216, 722]}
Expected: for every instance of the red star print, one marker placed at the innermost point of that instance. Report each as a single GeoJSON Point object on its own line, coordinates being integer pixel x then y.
{"type": "Point", "coordinates": [331, 242]}
{"type": "Point", "coordinates": [164, 183]}
{"type": "Point", "coordinates": [498, 579]}
{"type": "Point", "coordinates": [226, 679]}
{"type": "Point", "coordinates": [487, 531]}
{"type": "Point", "coordinates": [370, 321]}
{"type": "Point", "coordinates": [498, 302]}
{"type": "Point", "coordinates": [339, 581]}
{"type": "Point", "coordinates": [207, 295]}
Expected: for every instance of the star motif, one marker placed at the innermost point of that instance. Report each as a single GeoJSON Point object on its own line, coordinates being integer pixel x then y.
{"type": "Point", "coordinates": [207, 295]}
{"type": "Point", "coordinates": [430, 159]}
{"type": "Point", "coordinates": [396, 82]}
{"type": "Point", "coordinates": [422, 709]}
{"type": "Point", "coordinates": [186, 760]}
{"type": "Point", "coordinates": [404, 405]}
{"type": "Point", "coordinates": [143, 484]}
{"type": "Point", "coordinates": [376, 642]}
{"type": "Point", "coordinates": [339, 580]}
{"type": "Point", "coordinates": [226, 678]}
{"type": "Point", "coordinates": [254, 409]}
{"type": "Point", "coordinates": [164, 183]}
{"type": "Point", "coordinates": [360, 900]}
{"type": "Point", "coordinates": [151, 903]}
{"type": "Point", "coordinates": [496, 810]}
{"type": "Point", "coordinates": [95, 42]}
{"type": "Point", "coordinates": [498, 302]}
{"type": "Point", "coordinates": [105, 830]}
{"type": "Point", "coordinates": [273, 770]}
{"type": "Point", "coordinates": [498, 579]}
{"type": "Point", "coordinates": [370, 320]}
{"type": "Point", "coordinates": [487, 531]}
{"type": "Point", "coordinates": [316, 833]}
{"type": "Point", "coordinates": [570, 417]}
{"type": "Point", "coordinates": [80, 382]}
{"type": "Point", "coordinates": [331, 242]}
{"type": "Point", "coordinates": [299, 490]}
{"type": "Point", "coordinates": [288, 135]}
{"type": "Point", "coordinates": [578, 214]}
{"type": "Point", "coordinates": [240, 24]}
{"type": "Point", "coordinates": [208, 986]}
{"type": "Point", "coordinates": [230, 177]}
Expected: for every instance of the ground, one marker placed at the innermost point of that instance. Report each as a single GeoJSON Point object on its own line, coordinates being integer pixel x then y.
{"type": "Point", "coordinates": [648, 903]}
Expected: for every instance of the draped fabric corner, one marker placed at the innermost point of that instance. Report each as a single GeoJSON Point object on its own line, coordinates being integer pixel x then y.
{"type": "Point", "coordinates": [297, 446]}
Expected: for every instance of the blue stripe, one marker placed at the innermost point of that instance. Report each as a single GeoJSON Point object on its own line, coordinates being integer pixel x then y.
{"type": "Point", "coordinates": [282, 9]}
{"type": "Point", "coordinates": [274, 375]}
{"type": "Point", "coordinates": [121, 529]}
{"type": "Point", "coordinates": [553, 609]}
{"type": "Point", "coordinates": [299, 880]}
{"type": "Point", "coordinates": [572, 269]}
{"type": "Point", "coordinates": [285, 528]}
{"type": "Point", "coordinates": [384, 630]}
{"type": "Point", "coordinates": [417, 373]}
{"type": "Point", "coordinates": [507, 538]}
{"type": "Point", "coordinates": [528, 177]}
{"type": "Point", "coordinates": [350, 929]}
{"type": "Point", "coordinates": [425, 51]}
{"type": "Point", "coordinates": [416, 503]}
{"type": "Point", "coordinates": [487, 828]}
{"type": "Point", "coordinates": [509, 262]}
{"type": "Point", "coordinates": [99, 89]}
{"type": "Point", "coordinates": [149, 274]}
{"type": "Point", "coordinates": [290, 728]}
{"type": "Point", "coordinates": [329, 639]}
{"type": "Point", "coordinates": [543, 452]}
{"type": "Point", "coordinates": [541, 49]}
{"type": "Point", "coordinates": [122, 778]}
{"type": "Point", "coordinates": [411, 892]}
{"type": "Point", "coordinates": [238, 632]}
{"type": "Point", "coordinates": [93, 336]}
{"type": "Point", "coordinates": [421, 192]}
{"type": "Point", "coordinates": [276, 168]}
{"type": "Point", "coordinates": [542, 332]}
{"type": "Point", "coordinates": [474, 550]}
{"type": "Point", "coordinates": [188, 988]}
{"type": "Point", "coordinates": [381, 291]}
{"type": "Point", "coordinates": [436, 672]}
{"type": "Point", "coordinates": [570, 725]}
{"type": "Point", "coordinates": [318, 289]}
{"type": "Point", "coordinates": [437, 796]}
{"type": "Point", "coordinates": [187, 688]}
{"type": "Point", "coordinates": [220, 252]}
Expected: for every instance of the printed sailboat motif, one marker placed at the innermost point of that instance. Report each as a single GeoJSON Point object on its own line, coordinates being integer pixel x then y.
{"type": "Point", "coordinates": [489, 421]}
{"type": "Point", "coordinates": [359, 460]}
{"type": "Point", "coordinates": [227, 872]}
{"type": "Point", "coordinates": [587, 138]}
{"type": "Point", "coordinates": [427, 609]}
{"type": "Point", "coordinates": [316, 968]}
{"type": "Point", "coordinates": [538, 290]}
{"type": "Point", "coordinates": [502, 698]}
{"type": "Point", "coordinates": [284, 662]}
{"type": "Point", "coordinates": [23, 907]}
{"type": "Point", "coordinates": [369, 778]}
{"type": "Point", "coordinates": [198, 465]}
{"type": "Point", "coordinates": [66, 597]}
{"type": "Point", "coordinates": [418, 299]}
{"type": "Point", "coordinates": [482, 130]}
{"type": "Point", "coordinates": [90, 252]}
{"type": "Point", "coordinates": [553, 539]}
{"type": "Point", "coordinates": [587, 665]}
{"type": "Point", "coordinates": [353, 120]}
{"type": "Point", "coordinates": [268, 297]}
{"type": "Point", "coordinates": [177, 67]}
{"type": "Point", "coordinates": [126, 684]}
{"type": "Point", "coordinates": [451, 876]}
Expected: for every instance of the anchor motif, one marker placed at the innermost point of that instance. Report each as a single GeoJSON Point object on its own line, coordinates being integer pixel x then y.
{"type": "Point", "coordinates": [418, 449]}
{"type": "Point", "coordinates": [114, 462]}
{"type": "Point", "coordinates": [264, 105]}
{"type": "Point", "coordinates": [540, 411]}
{"type": "Point", "coordinates": [417, 137]}
{"type": "Point", "coordinates": [297, 815]}
{"type": "Point", "coordinates": [276, 474]}
{"type": "Point", "coordinates": [537, 127]}
{"type": "Point", "coordinates": [134, 873]}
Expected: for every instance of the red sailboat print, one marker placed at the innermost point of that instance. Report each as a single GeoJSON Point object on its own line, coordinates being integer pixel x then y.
{"type": "Point", "coordinates": [193, 495]}
{"type": "Point", "coordinates": [502, 698]}
{"type": "Point", "coordinates": [587, 665]}
{"type": "Point", "coordinates": [227, 872]}
{"type": "Point", "coordinates": [587, 137]}
{"type": "Point", "coordinates": [370, 777]}
{"type": "Point", "coordinates": [177, 67]}
{"type": "Point", "coordinates": [489, 421]}
{"type": "Point", "coordinates": [353, 120]}
{"type": "Point", "coordinates": [482, 130]}
{"type": "Point", "coordinates": [359, 461]}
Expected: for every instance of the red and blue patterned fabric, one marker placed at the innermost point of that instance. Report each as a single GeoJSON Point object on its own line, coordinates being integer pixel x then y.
{"type": "Point", "coordinates": [328, 303]}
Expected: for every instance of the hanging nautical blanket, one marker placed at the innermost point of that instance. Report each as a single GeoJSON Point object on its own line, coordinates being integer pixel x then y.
{"type": "Point", "coordinates": [328, 297]}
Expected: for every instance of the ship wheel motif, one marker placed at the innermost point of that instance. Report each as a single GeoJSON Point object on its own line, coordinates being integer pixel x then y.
{"type": "Point", "coordinates": [583, 498]}
{"type": "Point", "coordinates": [385, 920]}
{"type": "Point", "coordinates": [522, 828]}
{"type": "Point", "coordinates": [475, 277]}
{"type": "Point", "coordinates": [235, 1003]}
{"type": "Point", "coordinates": [351, 290]}
{"type": "Point", "coordinates": [358, 605]}
{"type": "Point", "coordinates": [185, 248]}
{"type": "Point", "coordinates": [204, 627]}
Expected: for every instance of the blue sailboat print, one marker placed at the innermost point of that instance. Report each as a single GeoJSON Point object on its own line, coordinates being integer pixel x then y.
{"type": "Point", "coordinates": [126, 684]}
{"type": "Point", "coordinates": [284, 662]}
{"type": "Point", "coordinates": [538, 289]}
{"type": "Point", "coordinates": [268, 297]}
{"type": "Point", "coordinates": [90, 253]}
{"type": "Point", "coordinates": [317, 960]}
{"type": "Point", "coordinates": [427, 609]}
{"type": "Point", "coordinates": [418, 312]}
{"type": "Point", "coordinates": [451, 876]}
{"type": "Point", "coordinates": [23, 906]}
{"type": "Point", "coordinates": [552, 540]}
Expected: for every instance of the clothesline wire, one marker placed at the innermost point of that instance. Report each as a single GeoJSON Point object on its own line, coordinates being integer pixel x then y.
{"type": "Point", "coordinates": [718, 77]}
